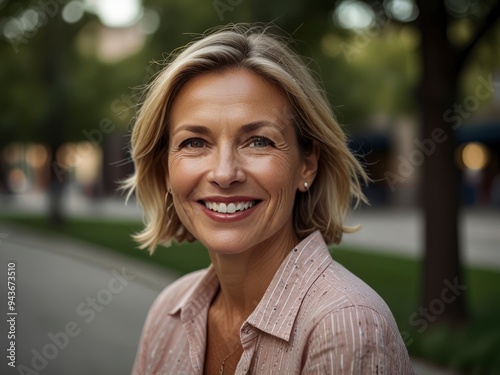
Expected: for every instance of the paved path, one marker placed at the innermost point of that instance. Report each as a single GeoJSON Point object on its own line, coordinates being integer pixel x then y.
{"type": "Point", "coordinates": [401, 232]}
{"type": "Point", "coordinates": [92, 301]}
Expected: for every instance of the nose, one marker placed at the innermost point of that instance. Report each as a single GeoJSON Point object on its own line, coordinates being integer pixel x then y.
{"type": "Point", "coordinates": [226, 169]}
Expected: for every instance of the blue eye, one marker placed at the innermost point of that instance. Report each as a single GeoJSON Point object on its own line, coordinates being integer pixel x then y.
{"type": "Point", "coordinates": [261, 142]}
{"type": "Point", "coordinates": [193, 143]}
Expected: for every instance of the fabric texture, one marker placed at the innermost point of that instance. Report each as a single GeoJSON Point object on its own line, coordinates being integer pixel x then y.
{"type": "Point", "coordinates": [315, 317]}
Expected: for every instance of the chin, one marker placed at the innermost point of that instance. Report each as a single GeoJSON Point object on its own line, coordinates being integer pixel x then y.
{"type": "Point", "coordinates": [227, 242]}
{"type": "Point", "coordinates": [224, 248]}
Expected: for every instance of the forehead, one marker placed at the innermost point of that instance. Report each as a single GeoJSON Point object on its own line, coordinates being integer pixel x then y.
{"type": "Point", "coordinates": [233, 93]}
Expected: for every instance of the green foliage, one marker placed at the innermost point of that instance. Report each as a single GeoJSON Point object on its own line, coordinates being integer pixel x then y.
{"type": "Point", "coordinates": [364, 73]}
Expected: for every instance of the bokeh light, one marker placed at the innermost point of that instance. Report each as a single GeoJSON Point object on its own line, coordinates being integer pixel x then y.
{"type": "Point", "coordinates": [37, 155]}
{"type": "Point", "coordinates": [475, 156]}
{"type": "Point", "coordinates": [402, 10]}
{"type": "Point", "coordinates": [352, 14]}
{"type": "Point", "coordinates": [149, 22]}
{"type": "Point", "coordinates": [118, 13]}
{"type": "Point", "coordinates": [73, 11]}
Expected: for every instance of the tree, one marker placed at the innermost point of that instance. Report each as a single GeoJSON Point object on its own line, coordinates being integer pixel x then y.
{"type": "Point", "coordinates": [35, 33]}
{"type": "Point", "coordinates": [54, 72]}
{"type": "Point", "coordinates": [442, 65]}
{"type": "Point", "coordinates": [57, 95]}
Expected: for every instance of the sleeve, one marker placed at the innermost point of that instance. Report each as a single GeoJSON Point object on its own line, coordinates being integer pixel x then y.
{"type": "Point", "coordinates": [356, 340]}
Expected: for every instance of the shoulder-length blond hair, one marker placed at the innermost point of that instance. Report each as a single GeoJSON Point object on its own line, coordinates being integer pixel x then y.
{"type": "Point", "coordinates": [322, 207]}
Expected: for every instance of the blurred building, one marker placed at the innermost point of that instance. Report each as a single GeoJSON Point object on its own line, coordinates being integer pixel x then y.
{"type": "Point", "coordinates": [393, 157]}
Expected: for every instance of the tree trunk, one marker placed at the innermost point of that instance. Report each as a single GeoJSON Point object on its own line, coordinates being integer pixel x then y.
{"type": "Point", "coordinates": [56, 188]}
{"type": "Point", "coordinates": [443, 291]}
{"type": "Point", "coordinates": [56, 118]}
{"type": "Point", "coordinates": [4, 185]}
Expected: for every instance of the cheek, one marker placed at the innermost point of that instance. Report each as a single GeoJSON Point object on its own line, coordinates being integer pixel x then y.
{"type": "Point", "coordinates": [183, 173]}
{"type": "Point", "coordinates": [182, 180]}
{"type": "Point", "coordinates": [277, 174]}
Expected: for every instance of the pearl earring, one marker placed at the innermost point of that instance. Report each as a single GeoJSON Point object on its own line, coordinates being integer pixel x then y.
{"type": "Point", "coordinates": [306, 185]}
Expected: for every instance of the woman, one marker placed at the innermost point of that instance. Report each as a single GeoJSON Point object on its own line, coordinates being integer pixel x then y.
{"type": "Point", "coordinates": [235, 146]}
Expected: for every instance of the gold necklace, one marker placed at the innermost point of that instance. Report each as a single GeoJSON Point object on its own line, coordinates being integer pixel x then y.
{"type": "Point", "coordinates": [221, 371]}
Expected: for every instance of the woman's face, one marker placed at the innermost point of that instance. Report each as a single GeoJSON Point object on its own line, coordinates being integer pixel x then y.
{"type": "Point", "coordinates": [234, 165]}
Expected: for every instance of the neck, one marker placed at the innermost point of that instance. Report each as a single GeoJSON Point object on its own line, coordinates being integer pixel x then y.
{"type": "Point", "coordinates": [244, 277]}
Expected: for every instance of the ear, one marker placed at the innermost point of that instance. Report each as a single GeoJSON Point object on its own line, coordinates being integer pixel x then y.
{"type": "Point", "coordinates": [309, 168]}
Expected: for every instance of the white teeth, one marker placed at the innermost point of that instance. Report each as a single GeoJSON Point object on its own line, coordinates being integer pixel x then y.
{"type": "Point", "coordinates": [230, 208]}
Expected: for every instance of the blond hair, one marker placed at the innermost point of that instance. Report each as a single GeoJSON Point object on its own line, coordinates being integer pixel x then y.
{"type": "Point", "coordinates": [323, 207]}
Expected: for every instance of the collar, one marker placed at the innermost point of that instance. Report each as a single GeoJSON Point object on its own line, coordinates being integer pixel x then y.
{"type": "Point", "coordinates": [276, 312]}
{"type": "Point", "coordinates": [199, 296]}
{"type": "Point", "coordinates": [278, 309]}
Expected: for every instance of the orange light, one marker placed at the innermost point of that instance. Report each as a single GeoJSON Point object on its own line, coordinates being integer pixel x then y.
{"type": "Point", "coordinates": [37, 155]}
{"type": "Point", "coordinates": [475, 156]}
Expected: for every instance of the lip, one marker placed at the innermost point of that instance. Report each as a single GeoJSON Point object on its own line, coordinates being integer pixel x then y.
{"type": "Point", "coordinates": [227, 218]}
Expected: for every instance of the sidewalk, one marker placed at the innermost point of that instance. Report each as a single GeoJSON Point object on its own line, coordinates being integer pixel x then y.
{"type": "Point", "coordinates": [80, 307]}
{"type": "Point", "coordinates": [401, 232]}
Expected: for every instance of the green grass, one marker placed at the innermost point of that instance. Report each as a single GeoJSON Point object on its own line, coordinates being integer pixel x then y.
{"type": "Point", "coordinates": [473, 348]}
{"type": "Point", "coordinates": [115, 236]}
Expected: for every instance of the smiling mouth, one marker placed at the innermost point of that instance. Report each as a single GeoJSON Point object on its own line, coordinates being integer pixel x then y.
{"type": "Point", "coordinates": [229, 208]}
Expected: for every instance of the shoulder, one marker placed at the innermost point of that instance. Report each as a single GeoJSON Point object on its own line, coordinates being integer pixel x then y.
{"type": "Point", "coordinates": [328, 285]}
{"type": "Point", "coordinates": [173, 293]}
{"type": "Point", "coordinates": [356, 340]}
{"type": "Point", "coordinates": [350, 320]}
{"type": "Point", "coordinates": [167, 302]}
{"type": "Point", "coordinates": [160, 326]}
{"type": "Point", "coordinates": [341, 303]}
{"type": "Point", "coordinates": [337, 289]}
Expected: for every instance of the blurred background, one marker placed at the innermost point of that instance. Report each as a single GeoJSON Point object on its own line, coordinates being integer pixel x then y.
{"type": "Point", "coordinates": [416, 86]}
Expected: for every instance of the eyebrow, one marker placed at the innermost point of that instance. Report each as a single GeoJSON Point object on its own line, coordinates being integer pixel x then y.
{"type": "Point", "coordinates": [247, 128]}
{"type": "Point", "coordinates": [253, 126]}
{"type": "Point", "coordinates": [198, 129]}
